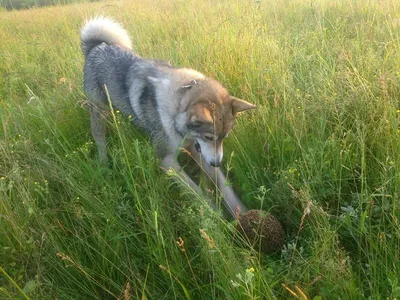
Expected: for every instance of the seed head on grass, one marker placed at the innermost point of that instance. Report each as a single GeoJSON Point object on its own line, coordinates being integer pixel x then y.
{"type": "Point", "coordinates": [181, 245]}
{"type": "Point", "coordinates": [210, 241]}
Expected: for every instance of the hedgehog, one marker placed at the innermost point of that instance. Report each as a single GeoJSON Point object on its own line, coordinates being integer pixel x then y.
{"type": "Point", "coordinates": [262, 230]}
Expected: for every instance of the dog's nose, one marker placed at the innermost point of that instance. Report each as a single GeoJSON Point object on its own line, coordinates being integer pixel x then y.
{"type": "Point", "coordinates": [215, 164]}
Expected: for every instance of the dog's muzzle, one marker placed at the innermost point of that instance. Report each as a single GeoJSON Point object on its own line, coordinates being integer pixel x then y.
{"type": "Point", "coordinates": [197, 147]}
{"type": "Point", "coordinates": [215, 164]}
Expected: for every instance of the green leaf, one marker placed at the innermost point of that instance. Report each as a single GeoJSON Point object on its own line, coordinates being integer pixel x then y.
{"type": "Point", "coordinates": [30, 286]}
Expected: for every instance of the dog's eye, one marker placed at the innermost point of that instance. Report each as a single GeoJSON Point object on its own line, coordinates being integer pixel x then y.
{"type": "Point", "coordinates": [209, 137]}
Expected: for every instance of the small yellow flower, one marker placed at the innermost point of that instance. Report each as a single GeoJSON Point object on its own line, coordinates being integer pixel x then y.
{"type": "Point", "coordinates": [251, 270]}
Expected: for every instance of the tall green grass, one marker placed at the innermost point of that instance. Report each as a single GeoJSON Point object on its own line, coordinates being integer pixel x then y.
{"type": "Point", "coordinates": [322, 153]}
{"type": "Point", "coordinates": [26, 4]}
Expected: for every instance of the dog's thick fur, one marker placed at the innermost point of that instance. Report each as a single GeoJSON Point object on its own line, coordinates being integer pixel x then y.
{"type": "Point", "coordinates": [178, 107]}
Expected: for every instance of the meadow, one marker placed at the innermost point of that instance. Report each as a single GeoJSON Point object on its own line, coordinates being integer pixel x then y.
{"type": "Point", "coordinates": [321, 153]}
{"type": "Point", "coordinates": [25, 4]}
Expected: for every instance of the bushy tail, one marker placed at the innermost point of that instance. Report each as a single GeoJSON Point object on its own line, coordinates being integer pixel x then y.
{"type": "Point", "coordinates": [103, 30]}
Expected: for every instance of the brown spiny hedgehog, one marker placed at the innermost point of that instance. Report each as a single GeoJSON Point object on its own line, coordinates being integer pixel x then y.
{"type": "Point", "coordinates": [262, 230]}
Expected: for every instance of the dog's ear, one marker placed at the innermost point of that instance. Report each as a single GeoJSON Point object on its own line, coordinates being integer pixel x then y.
{"type": "Point", "coordinates": [239, 105]}
{"type": "Point", "coordinates": [200, 114]}
{"type": "Point", "coordinates": [189, 85]}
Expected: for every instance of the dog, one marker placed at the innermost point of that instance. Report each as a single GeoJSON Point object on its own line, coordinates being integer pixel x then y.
{"type": "Point", "coordinates": [178, 107]}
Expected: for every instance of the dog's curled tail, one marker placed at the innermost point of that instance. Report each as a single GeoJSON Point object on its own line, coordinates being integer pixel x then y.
{"type": "Point", "coordinates": [103, 30]}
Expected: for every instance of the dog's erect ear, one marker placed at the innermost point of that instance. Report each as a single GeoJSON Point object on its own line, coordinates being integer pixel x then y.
{"type": "Point", "coordinates": [239, 105]}
{"type": "Point", "coordinates": [189, 85]}
{"type": "Point", "coordinates": [200, 114]}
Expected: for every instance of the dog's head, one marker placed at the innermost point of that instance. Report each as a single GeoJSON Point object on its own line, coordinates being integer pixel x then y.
{"type": "Point", "coordinates": [211, 116]}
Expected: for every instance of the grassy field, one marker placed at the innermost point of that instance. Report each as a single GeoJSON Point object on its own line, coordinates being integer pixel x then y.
{"type": "Point", "coordinates": [25, 4]}
{"type": "Point", "coordinates": [322, 153]}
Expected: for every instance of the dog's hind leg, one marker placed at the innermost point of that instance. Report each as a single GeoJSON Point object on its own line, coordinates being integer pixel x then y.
{"type": "Point", "coordinates": [98, 127]}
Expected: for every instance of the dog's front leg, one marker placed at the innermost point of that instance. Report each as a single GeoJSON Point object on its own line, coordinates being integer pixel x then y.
{"type": "Point", "coordinates": [231, 200]}
{"type": "Point", "coordinates": [170, 162]}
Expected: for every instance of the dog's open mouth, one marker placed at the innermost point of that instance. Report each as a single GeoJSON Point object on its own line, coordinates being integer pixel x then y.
{"type": "Point", "coordinates": [197, 147]}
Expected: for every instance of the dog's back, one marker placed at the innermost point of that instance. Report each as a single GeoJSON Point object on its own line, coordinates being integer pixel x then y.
{"type": "Point", "coordinates": [108, 65]}
{"type": "Point", "coordinates": [113, 70]}
{"type": "Point", "coordinates": [108, 57]}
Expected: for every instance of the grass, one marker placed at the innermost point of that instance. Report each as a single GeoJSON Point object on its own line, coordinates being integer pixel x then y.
{"type": "Point", "coordinates": [322, 153]}
{"type": "Point", "coordinates": [25, 4]}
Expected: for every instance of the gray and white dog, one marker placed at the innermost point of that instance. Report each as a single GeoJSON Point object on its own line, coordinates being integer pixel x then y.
{"type": "Point", "coordinates": [178, 107]}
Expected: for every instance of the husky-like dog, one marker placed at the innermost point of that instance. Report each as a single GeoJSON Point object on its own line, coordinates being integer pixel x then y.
{"type": "Point", "coordinates": [178, 107]}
